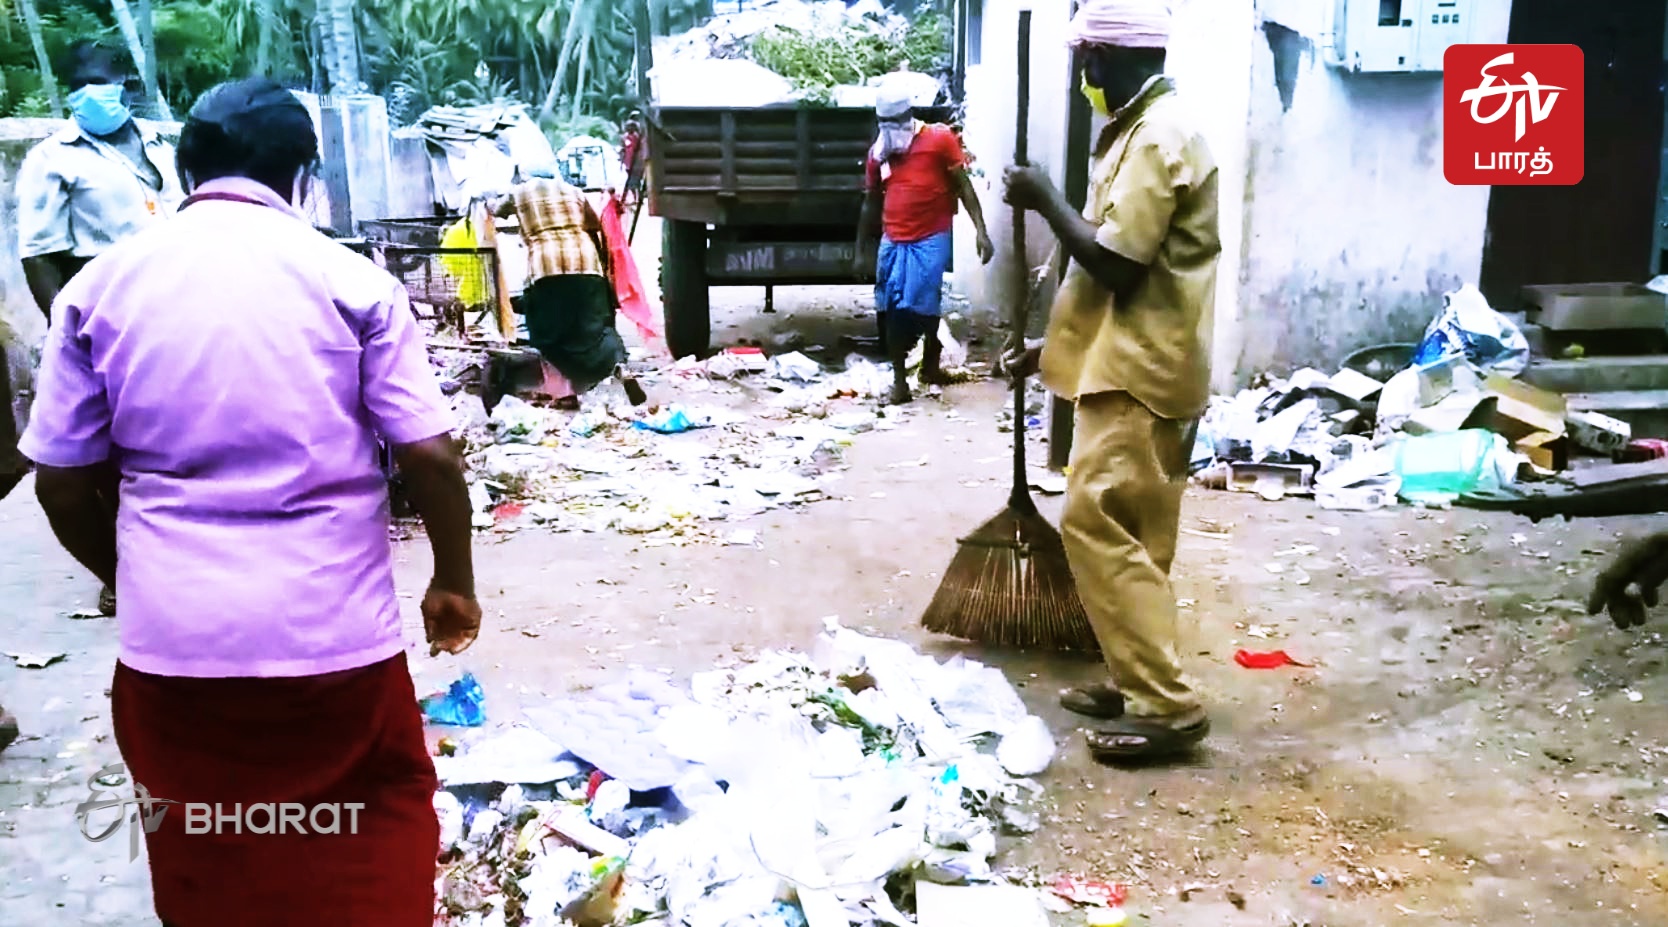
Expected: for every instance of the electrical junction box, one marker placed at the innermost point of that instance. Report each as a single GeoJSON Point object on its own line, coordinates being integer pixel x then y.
{"type": "Point", "coordinates": [1398, 36]}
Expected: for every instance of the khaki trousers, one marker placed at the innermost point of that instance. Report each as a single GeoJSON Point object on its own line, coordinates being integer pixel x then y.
{"type": "Point", "coordinates": [1123, 502]}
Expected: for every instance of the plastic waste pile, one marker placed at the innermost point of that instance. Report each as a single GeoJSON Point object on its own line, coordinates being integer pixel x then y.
{"type": "Point", "coordinates": [718, 63]}
{"type": "Point", "coordinates": [673, 473]}
{"type": "Point", "coordinates": [1445, 421]}
{"type": "Point", "coordinates": [787, 790]}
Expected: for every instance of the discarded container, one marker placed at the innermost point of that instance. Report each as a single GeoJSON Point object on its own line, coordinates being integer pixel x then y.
{"type": "Point", "coordinates": [462, 704]}
{"type": "Point", "coordinates": [1443, 464]}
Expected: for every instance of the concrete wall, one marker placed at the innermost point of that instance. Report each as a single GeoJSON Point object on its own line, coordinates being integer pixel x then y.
{"type": "Point", "coordinates": [20, 319]}
{"type": "Point", "coordinates": [1352, 234]}
{"type": "Point", "coordinates": [989, 134]}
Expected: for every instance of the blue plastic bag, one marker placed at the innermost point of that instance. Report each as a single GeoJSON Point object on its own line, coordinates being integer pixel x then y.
{"type": "Point", "coordinates": [462, 704]}
{"type": "Point", "coordinates": [1468, 326]}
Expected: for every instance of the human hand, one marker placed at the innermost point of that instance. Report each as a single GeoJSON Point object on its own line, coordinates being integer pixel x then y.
{"type": "Point", "coordinates": [451, 622]}
{"type": "Point", "coordinates": [862, 258]}
{"type": "Point", "coordinates": [1026, 187]}
{"type": "Point", "coordinates": [983, 245]}
{"type": "Point", "coordinates": [1021, 362]}
{"type": "Point", "coordinates": [1628, 587]}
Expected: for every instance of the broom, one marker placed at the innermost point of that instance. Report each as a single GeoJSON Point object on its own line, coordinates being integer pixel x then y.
{"type": "Point", "coordinates": [1009, 583]}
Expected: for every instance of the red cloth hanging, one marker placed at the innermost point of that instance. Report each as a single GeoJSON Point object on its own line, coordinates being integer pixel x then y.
{"type": "Point", "coordinates": [628, 286]}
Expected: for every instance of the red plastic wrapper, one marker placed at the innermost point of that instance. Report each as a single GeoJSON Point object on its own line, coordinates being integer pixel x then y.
{"type": "Point", "coordinates": [505, 511]}
{"type": "Point", "coordinates": [596, 781]}
{"type": "Point", "coordinates": [1083, 891]}
{"type": "Point", "coordinates": [1265, 659]}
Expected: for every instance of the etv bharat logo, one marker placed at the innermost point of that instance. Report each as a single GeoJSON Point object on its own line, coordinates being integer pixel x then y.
{"type": "Point", "coordinates": [1513, 115]}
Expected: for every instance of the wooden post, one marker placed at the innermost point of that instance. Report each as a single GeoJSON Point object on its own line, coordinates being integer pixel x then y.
{"type": "Point", "coordinates": [489, 239]}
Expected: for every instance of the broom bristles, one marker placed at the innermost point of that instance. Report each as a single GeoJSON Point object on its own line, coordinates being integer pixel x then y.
{"type": "Point", "coordinates": [1010, 585]}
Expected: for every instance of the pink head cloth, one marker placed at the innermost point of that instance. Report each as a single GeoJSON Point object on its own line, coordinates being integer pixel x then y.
{"type": "Point", "coordinates": [1128, 23]}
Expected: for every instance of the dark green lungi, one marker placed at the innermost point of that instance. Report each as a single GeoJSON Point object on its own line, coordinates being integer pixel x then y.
{"type": "Point", "coordinates": [570, 321]}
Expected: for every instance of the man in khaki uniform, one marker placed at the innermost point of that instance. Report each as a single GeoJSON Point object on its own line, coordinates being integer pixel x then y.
{"type": "Point", "coordinates": [1128, 340]}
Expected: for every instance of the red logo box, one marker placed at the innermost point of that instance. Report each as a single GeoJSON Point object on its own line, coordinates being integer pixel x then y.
{"type": "Point", "coordinates": [1513, 115]}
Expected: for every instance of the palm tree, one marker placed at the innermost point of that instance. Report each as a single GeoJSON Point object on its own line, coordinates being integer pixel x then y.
{"type": "Point", "coordinates": [32, 20]}
{"type": "Point", "coordinates": [141, 58]}
{"type": "Point", "coordinates": [341, 38]}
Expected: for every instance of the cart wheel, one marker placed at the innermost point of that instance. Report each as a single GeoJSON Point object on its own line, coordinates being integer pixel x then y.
{"type": "Point", "coordinates": [683, 289]}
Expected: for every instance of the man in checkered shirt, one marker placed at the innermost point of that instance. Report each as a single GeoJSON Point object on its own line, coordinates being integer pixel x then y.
{"type": "Point", "coordinates": [569, 300]}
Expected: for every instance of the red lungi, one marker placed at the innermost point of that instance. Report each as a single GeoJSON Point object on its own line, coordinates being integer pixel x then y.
{"type": "Point", "coordinates": [352, 736]}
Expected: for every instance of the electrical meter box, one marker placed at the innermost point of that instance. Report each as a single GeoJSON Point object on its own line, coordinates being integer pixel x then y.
{"type": "Point", "coordinates": [1398, 36]}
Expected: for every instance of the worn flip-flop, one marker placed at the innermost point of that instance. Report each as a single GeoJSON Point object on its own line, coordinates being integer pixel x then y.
{"type": "Point", "coordinates": [1158, 740]}
{"type": "Point", "coordinates": [1101, 700]}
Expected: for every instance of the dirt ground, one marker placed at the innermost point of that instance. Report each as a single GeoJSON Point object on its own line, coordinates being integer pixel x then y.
{"type": "Point", "coordinates": [1469, 748]}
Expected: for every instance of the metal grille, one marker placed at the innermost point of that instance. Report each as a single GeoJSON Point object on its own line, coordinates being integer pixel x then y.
{"type": "Point", "coordinates": [449, 285]}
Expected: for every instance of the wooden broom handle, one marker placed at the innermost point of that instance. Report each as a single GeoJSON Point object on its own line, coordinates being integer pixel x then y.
{"type": "Point", "coordinates": [1020, 496]}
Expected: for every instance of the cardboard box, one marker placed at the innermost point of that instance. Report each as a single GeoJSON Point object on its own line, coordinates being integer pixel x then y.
{"type": "Point", "coordinates": [1515, 410]}
{"type": "Point", "coordinates": [1596, 306]}
{"type": "Point", "coordinates": [1598, 432]}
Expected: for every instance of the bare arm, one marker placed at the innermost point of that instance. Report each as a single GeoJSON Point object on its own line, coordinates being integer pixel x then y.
{"type": "Point", "coordinates": [434, 476]}
{"type": "Point", "coordinates": [75, 500]}
{"type": "Point", "coordinates": [1077, 238]}
{"type": "Point", "coordinates": [46, 275]}
{"type": "Point", "coordinates": [970, 201]}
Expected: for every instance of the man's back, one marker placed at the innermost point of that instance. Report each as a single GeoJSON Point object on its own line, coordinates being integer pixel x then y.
{"type": "Point", "coordinates": [236, 366]}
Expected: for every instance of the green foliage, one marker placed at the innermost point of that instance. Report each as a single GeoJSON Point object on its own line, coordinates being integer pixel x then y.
{"type": "Point", "coordinates": [817, 62]}
{"type": "Point", "coordinates": [420, 53]}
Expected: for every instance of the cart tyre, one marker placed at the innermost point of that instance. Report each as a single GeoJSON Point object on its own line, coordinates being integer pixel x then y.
{"type": "Point", "coordinates": [683, 288]}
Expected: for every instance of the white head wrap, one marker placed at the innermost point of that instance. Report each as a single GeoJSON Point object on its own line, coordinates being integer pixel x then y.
{"type": "Point", "coordinates": [892, 99]}
{"type": "Point", "coordinates": [1128, 23]}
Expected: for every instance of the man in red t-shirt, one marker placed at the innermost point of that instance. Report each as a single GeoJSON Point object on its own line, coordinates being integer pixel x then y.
{"type": "Point", "coordinates": [916, 175]}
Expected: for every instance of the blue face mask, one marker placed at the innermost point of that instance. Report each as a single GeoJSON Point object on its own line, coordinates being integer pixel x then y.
{"type": "Point", "coordinates": [98, 108]}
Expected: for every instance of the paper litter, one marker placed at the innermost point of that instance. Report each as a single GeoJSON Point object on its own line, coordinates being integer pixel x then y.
{"type": "Point", "coordinates": [785, 790]}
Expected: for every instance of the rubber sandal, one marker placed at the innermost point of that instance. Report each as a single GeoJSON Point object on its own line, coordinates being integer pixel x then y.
{"type": "Point", "coordinates": [1101, 701]}
{"type": "Point", "coordinates": [1160, 740]}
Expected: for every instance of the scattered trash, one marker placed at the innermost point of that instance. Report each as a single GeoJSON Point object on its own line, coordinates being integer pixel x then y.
{"type": "Point", "coordinates": [1467, 326]}
{"type": "Point", "coordinates": [1318, 881]}
{"type": "Point", "coordinates": [668, 421]}
{"type": "Point", "coordinates": [1634, 695]}
{"type": "Point", "coordinates": [461, 704]}
{"type": "Point", "coordinates": [1265, 659]}
{"type": "Point", "coordinates": [35, 660]}
{"type": "Point", "coordinates": [1083, 891]}
{"type": "Point", "coordinates": [1027, 749]}
{"type": "Point", "coordinates": [86, 614]}
{"type": "Point", "coordinates": [785, 791]}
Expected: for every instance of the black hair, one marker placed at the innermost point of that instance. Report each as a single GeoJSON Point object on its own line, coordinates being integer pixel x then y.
{"type": "Point", "coordinates": [250, 128]}
{"type": "Point", "coordinates": [88, 57]}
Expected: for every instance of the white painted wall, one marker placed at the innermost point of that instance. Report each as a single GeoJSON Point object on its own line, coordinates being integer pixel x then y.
{"type": "Point", "coordinates": [990, 122]}
{"type": "Point", "coordinates": [1352, 233]}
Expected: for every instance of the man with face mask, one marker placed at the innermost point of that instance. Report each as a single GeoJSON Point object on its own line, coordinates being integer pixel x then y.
{"type": "Point", "coordinates": [233, 370]}
{"type": "Point", "coordinates": [1128, 340]}
{"type": "Point", "coordinates": [92, 185]}
{"type": "Point", "coordinates": [917, 173]}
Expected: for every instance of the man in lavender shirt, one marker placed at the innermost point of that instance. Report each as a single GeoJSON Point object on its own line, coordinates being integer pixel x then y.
{"type": "Point", "coordinates": [229, 373]}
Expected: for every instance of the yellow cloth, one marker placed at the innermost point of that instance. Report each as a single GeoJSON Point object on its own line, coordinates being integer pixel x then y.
{"type": "Point", "coordinates": [469, 270]}
{"type": "Point", "coordinates": [1153, 195]}
{"type": "Point", "coordinates": [1123, 501]}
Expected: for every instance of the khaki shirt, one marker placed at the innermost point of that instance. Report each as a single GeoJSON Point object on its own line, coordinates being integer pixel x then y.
{"type": "Point", "coordinates": [79, 194]}
{"type": "Point", "coordinates": [1152, 191]}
